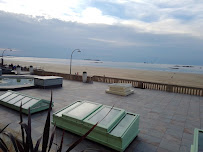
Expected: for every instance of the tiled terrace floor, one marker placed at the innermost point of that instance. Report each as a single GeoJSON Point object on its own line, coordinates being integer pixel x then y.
{"type": "Point", "coordinates": [167, 120]}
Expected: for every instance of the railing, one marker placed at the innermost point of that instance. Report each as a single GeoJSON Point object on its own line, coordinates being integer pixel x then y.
{"type": "Point", "coordinates": [152, 85]}
{"type": "Point", "coordinates": [135, 83]}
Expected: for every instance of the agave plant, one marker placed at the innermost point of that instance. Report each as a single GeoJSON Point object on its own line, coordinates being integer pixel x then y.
{"type": "Point", "coordinates": [26, 145]}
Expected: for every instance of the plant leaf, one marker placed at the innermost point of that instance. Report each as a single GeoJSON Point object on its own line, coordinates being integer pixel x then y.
{"type": "Point", "coordinates": [4, 128]}
{"type": "Point", "coordinates": [60, 148]}
{"type": "Point", "coordinates": [3, 146]}
{"type": "Point", "coordinates": [37, 145]}
{"type": "Point", "coordinates": [22, 131]}
{"type": "Point", "coordinates": [107, 113]}
{"type": "Point", "coordinates": [92, 150]}
{"type": "Point", "coordinates": [19, 145]}
{"type": "Point", "coordinates": [82, 138]}
{"type": "Point", "coordinates": [47, 128]}
{"type": "Point", "coordinates": [13, 141]}
{"type": "Point", "coordinates": [52, 138]}
{"type": "Point", "coordinates": [28, 137]}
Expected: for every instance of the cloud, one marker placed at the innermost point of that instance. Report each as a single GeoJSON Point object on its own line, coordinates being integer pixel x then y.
{"type": "Point", "coordinates": [121, 43]}
{"type": "Point", "coordinates": [40, 37]}
{"type": "Point", "coordinates": [167, 26]}
{"type": "Point", "coordinates": [159, 17]}
{"type": "Point", "coordinates": [102, 40]}
{"type": "Point", "coordinates": [94, 15]}
{"type": "Point", "coordinates": [8, 49]}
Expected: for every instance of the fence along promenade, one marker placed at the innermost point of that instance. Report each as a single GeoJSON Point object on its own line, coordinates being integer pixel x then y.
{"type": "Point", "coordinates": [137, 84]}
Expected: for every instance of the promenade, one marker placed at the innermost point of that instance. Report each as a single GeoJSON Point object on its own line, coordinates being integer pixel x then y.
{"type": "Point", "coordinates": [167, 120]}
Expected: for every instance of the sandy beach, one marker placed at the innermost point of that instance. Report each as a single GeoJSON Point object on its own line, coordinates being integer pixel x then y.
{"type": "Point", "coordinates": [186, 79]}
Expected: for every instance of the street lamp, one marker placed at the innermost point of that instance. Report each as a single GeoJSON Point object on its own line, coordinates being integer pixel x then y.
{"type": "Point", "coordinates": [78, 50]}
{"type": "Point", "coordinates": [2, 60]}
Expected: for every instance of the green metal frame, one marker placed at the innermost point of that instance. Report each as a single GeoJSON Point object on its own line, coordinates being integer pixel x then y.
{"type": "Point", "coordinates": [117, 134]}
{"type": "Point", "coordinates": [196, 143]}
{"type": "Point", "coordinates": [8, 99]}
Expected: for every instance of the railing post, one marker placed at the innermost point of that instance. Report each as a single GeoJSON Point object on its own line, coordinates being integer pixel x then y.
{"type": "Point", "coordinates": [140, 85]}
{"type": "Point", "coordinates": [169, 88]}
{"type": "Point", "coordinates": [93, 78]}
{"type": "Point", "coordinates": [104, 79]}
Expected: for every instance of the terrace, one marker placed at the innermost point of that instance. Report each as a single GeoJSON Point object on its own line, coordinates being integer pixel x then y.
{"type": "Point", "coordinates": [167, 120]}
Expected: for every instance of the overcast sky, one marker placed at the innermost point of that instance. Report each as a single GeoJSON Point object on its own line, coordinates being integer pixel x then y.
{"type": "Point", "coordinates": [166, 31]}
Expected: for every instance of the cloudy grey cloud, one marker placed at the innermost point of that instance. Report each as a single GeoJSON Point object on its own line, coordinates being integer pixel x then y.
{"type": "Point", "coordinates": [40, 37]}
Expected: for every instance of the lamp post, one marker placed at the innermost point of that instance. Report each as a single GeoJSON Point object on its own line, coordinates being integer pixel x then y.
{"type": "Point", "coordinates": [78, 50]}
{"type": "Point", "coordinates": [2, 60]}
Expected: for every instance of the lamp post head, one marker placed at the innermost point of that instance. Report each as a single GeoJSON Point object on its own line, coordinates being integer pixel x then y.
{"type": "Point", "coordinates": [79, 51]}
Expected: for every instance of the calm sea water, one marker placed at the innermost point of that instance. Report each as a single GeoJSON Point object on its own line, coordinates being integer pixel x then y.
{"type": "Point", "coordinates": [121, 65]}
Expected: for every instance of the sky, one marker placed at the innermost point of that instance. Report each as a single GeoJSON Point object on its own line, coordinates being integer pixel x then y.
{"type": "Point", "coordinates": [152, 31]}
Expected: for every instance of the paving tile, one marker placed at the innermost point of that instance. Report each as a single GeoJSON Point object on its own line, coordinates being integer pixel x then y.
{"type": "Point", "coordinates": [177, 123]}
{"type": "Point", "coordinates": [163, 119]}
{"type": "Point", "coordinates": [180, 118]}
{"type": "Point", "coordinates": [184, 149]}
{"type": "Point", "coordinates": [172, 138]}
{"type": "Point", "coordinates": [151, 140]}
{"type": "Point", "coordinates": [144, 147]}
{"type": "Point", "coordinates": [175, 128]}
{"type": "Point", "coordinates": [189, 130]}
{"type": "Point", "coordinates": [132, 145]}
{"type": "Point", "coordinates": [167, 120]}
{"type": "Point", "coordinates": [168, 115]}
{"type": "Point", "coordinates": [141, 137]}
{"type": "Point", "coordinates": [193, 118]}
{"type": "Point", "coordinates": [153, 115]}
{"type": "Point", "coordinates": [144, 130]}
{"type": "Point", "coordinates": [162, 150]}
{"type": "Point", "coordinates": [186, 142]}
{"type": "Point", "coordinates": [169, 145]}
{"type": "Point", "coordinates": [35, 135]}
{"type": "Point", "coordinates": [15, 126]}
{"type": "Point", "coordinates": [187, 136]}
{"type": "Point", "coordinates": [195, 124]}
{"type": "Point", "coordinates": [156, 133]}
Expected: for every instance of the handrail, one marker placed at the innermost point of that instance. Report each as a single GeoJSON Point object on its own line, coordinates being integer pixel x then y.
{"type": "Point", "coordinates": [135, 83]}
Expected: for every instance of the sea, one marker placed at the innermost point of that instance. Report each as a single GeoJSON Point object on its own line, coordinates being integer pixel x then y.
{"type": "Point", "coordinates": [109, 64]}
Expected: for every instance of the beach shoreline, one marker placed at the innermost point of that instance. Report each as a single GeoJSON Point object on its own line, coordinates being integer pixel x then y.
{"type": "Point", "coordinates": [175, 78]}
